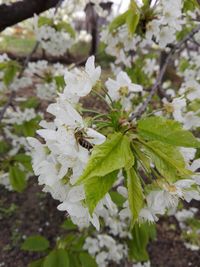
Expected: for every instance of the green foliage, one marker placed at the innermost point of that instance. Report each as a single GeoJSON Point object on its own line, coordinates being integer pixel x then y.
{"type": "Point", "coordinates": [28, 128]}
{"type": "Point", "coordinates": [118, 21]}
{"type": "Point", "coordinates": [24, 159]}
{"type": "Point", "coordinates": [195, 106]}
{"type": "Point", "coordinates": [68, 225]}
{"type": "Point", "coordinates": [45, 21]}
{"type": "Point", "coordinates": [167, 159]}
{"type": "Point", "coordinates": [166, 131]}
{"type": "Point", "coordinates": [31, 102]}
{"type": "Point", "coordinates": [86, 260]}
{"type": "Point", "coordinates": [117, 198]}
{"type": "Point", "coordinates": [10, 70]}
{"type": "Point", "coordinates": [4, 147]}
{"type": "Point", "coordinates": [35, 243]}
{"type": "Point", "coordinates": [57, 258]}
{"type": "Point", "coordinates": [141, 235]}
{"type": "Point", "coordinates": [101, 170]}
{"type": "Point", "coordinates": [190, 5]}
{"type": "Point", "coordinates": [97, 187]}
{"type": "Point", "coordinates": [37, 263]}
{"type": "Point", "coordinates": [135, 193]}
{"type": "Point", "coordinates": [131, 18]}
{"type": "Point", "coordinates": [66, 27]}
{"type": "Point", "coordinates": [113, 154]}
{"type": "Point", "coordinates": [17, 178]}
{"type": "Point", "coordinates": [60, 82]}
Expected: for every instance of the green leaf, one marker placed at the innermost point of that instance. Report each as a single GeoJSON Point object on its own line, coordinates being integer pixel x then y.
{"type": "Point", "coordinates": [68, 225]}
{"type": "Point", "coordinates": [4, 147]}
{"type": "Point", "coordinates": [190, 5]}
{"type": "Point", "coordinates": [60, 82]}
{"type": "Point", "coordinates": [133, 17]}
{"type": "Point", "coordinates": [24, 159]}
{"type": "Point", "coordinates": [113, 154]}
{"type": "Point", "coordinates": [86, 260]}
{"type": "Point", "coordinates": [35, 243]}
{"type": "Point", "coordinates": [66, 27]}
{"type": "Point", "coordinates": [118, 21]}
{"type": "Point", "coordinates": [37, 263]}
{"type": "Point", "coordinates": [146, 3]}
{"type": "Point", "coordinates": [117, 198]}
{"type": "Point", "coordinates": [167, 159]}
{"type": "Point", "coordinates": [31, 102]}
{"type": "Point", "coordinates": [132, 21]}
{"type": "Point", "coordinates": [97, 187]}
{"type": "Point", "coordinates": [28, 128]}
{"type": "Point", "coordinates": [74, 260]}
{"type": "Point", "coordinates": [167, 131]}
{"type": "Point", "coordinates": [9, 74]}
{"type": "Point", "coordinates": [135, 193]}
{"type": "Point", "coordinates": [17, 178]}
{"type": "Point", "coordinates": [141, 235]}
{"type": "Point", "coordinates": [57, 258]}
{"type": "Point", "coordinates": [44, 21]}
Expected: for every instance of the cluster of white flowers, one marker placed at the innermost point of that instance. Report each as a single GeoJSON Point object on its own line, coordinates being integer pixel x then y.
{"type": "Point", "coordinates": [123, 90]}
{"type": "Point", "coordinates": [105, 249]}
{"type": "Point", "coordinates": [61, 160]}
{"type": "Point", "coordinates": [17, 143]}
{"type": "Point", "coordinates": [43, 74]}
{"type": "Point", "coordinates": [167, 23]}
{"type": "Point", "coordinates": [119, 44]}
{"type": "Point", "coordinates": [183, 217]}
{"type": "Point", "coordinates": [55, 42]}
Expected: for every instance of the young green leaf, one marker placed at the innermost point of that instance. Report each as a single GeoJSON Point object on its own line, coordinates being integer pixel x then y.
{"type": "Point", "coordinates": [167, 159]}
{"type": "Point", "coordinates": [67, 27]}
{"type": "Point", "coordinates": [57, 258]}
{"type": "Point", "coordinates": [44, 21]}
{"type": "Point", "coordinates": [117, 198]}
{"type": "Point", "coordinates": [132, 21]}
{"type": "Point", "coordinates": [35, 243]}
{"type": "Point", "coordinates": [17, 178]}
{"type": "Point", "coordinates": [135, 193]}
{"type": "Point", "coordinates": [167, 131]}
{"type": "Point", "coordinates": [37, 263]}
{"type": "Point", "coordinates": [68, 225]}
{"type": "Point", "coordinates": [86, 260]}
{"type": "Point", "coordinates": [113, 154]}
{"type": "Point", "coordinates": [97, 187]}
{"type": "Point", "coordinates": [24, 159]}
{"type": "Point", "coordinates": [10, 73]}
{"type": "Point", "coordinates": [141, 234]}
{"type": "Point", "coordinates": [118, 21]}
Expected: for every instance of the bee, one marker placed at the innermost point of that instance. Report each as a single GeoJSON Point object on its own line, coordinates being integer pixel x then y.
{"type": "Point", "coordinates": [81, 139]}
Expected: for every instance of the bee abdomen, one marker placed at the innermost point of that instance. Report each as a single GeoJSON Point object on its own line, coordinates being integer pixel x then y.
{"type": "Point", "coordinates": [84, 143]}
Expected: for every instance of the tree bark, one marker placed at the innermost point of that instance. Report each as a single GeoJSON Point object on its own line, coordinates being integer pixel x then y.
{"type": "Point", "coordinates": [10, 14]}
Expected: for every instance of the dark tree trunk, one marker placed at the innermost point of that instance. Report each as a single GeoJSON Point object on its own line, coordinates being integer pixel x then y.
{"type": "Point", "coordinates": [10, 14]}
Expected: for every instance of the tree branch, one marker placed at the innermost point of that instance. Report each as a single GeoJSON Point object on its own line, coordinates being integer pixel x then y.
{"type": "Point", "coordinates": [13, 13]}
{"type": "Point", "coordinates": [161, 73]}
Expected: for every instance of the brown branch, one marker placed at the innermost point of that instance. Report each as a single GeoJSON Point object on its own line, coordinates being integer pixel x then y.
{"type": "Point", "coordinates": [16, 12]}
{"type": "Point", "coordinates": [161, 73]}
{"type": "Point", "coordinates": [66, 59]}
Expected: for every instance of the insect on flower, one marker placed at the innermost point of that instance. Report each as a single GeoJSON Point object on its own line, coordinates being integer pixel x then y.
{"type": "Point", "coordinates": [81, 139]}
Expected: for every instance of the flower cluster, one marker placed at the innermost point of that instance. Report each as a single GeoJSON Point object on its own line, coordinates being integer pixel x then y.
{"type": "Point", "coordinates": [61, 160]}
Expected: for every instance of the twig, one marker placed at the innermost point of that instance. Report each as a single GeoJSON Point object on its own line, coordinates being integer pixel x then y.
{"type": "Point", "coordinates": [161, 73]}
